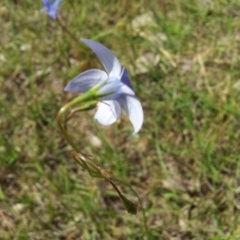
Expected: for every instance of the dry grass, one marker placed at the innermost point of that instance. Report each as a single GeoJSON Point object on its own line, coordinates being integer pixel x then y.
{"type": "Point", "coordinates": [184, 62]}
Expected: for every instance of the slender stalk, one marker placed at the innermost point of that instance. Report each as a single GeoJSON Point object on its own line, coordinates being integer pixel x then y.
{"type": "Point", "coordinates": [140, 202]}
{"type": "Point", "coordinates": [87, 97]}
{"type": "Point", "coordinates": [89, 100]}
{"type": "Point", "coordinates": [67, 31]}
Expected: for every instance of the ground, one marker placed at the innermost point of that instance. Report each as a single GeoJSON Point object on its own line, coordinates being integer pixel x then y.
{"type": "Point", "coordinates": [183, 59]}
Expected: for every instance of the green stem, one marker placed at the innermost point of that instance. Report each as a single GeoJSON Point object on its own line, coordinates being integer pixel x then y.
{"type": "Point", "coordinates": [88, 98]}
{"type": "Point", "coordinates": [68, 32]}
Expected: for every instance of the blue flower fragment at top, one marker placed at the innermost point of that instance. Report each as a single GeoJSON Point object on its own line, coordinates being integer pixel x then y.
{"type": "Point", "coordinates": [51, 8]}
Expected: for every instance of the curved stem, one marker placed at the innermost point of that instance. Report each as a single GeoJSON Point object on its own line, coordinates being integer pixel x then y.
{"type": "Point", "coordinates": [91, 102]}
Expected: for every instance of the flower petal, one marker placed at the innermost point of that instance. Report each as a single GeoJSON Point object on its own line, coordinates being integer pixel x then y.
{"type": "Point", "coordinates": [108, 112]}
{"type": "Point", "coordinates": [52, 13]}
{"type": "Point", "coordinates": [51, 8]}
{"type": "Point", "coordinates": [125, 78]}
{"type": "Point", "coordinates": [124, 91]}
{"type": "Point", "coordinates": [133, 108]}
{"type": "Point", "coordinates": [111, 88]}
{"type": "Point", "coordinates": [106, 57]}
{"type": "Point", "coordinates": [47, 4]}
{"type": "Point", "coordinates": [86, 80]}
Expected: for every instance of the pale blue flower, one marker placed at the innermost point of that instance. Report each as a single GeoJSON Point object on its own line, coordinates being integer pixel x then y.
{"type": "Point", "coordinates": [115, 82]}
{"type": "Point", "coordinates": [51, 8]}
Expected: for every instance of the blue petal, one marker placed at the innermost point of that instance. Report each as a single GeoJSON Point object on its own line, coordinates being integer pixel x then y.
{"type": "Point", "coordinates": [133, 108]}
{"type": "Point", "coordinates": [86, 80]}
{"type": "Point", "coordinates": [108, 112]}
{"type": "Point", "coordinates": [51, 8]}
{"type": "Point", "coordinates": [52, 13]}
{"type": "Point", "coordinates": [125, 78]}
{"type": "Point", "coordinates": [124, 91]}
{"type": "Point", "coordinates": [112, 87]}
{"type": "Point", "coordinates": [47, 4]}
{"type": "Point", "coordinates": [106, 57]}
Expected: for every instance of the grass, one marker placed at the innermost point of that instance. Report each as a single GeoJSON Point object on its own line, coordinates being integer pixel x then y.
{"type": "Point", "coordinates": [184, 163]}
